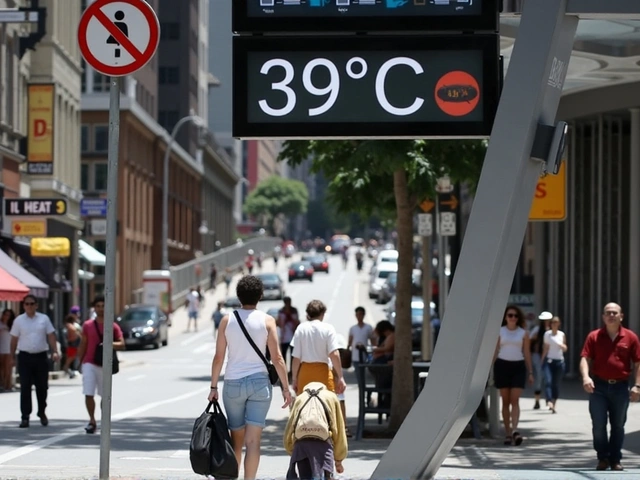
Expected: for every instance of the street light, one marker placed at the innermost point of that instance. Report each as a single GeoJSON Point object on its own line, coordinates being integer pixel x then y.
{"type": "Point", "coordinates": [198, 122]}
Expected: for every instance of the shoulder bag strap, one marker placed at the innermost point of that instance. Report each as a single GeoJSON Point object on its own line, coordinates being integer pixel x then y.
{"type": "Point", "coordinates": [249, 339]}
{"type": "Point", "coordinates": [95, 324]}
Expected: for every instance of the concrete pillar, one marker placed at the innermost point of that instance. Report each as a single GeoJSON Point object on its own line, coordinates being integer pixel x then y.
{"type": "Point", "coordinates": [633, 309]}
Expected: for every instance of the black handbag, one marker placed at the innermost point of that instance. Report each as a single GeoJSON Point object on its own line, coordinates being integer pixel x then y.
{"type": "Point", "coordinates": [271, 369]}
{"type": "Point", "coordinates": [97, 356]}
{"type": "Point", "coordinates": [210, 450]}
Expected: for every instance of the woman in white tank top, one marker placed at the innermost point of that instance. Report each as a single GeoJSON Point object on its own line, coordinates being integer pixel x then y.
{"type": "Point", "coordinates": [512, 367]}
{"type": "Point", "coordinates": [247, 390]}
{"type": "Point", "coordinates": [555, 346]}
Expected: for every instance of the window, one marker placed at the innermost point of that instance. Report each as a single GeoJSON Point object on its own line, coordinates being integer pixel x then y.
{"type": "Point", "coordinates": [100, 176]}
{"type": "Point", "coordinates": [83, 76]}
{"type": "Point", "coordinates": [9, 58]}
{"type": "Point", "coordinates": [84, 138]}
{"type": "Point", "coordinates": [169, 31]}
{"type": "Point", "coordinates": [168, 118]}
{"type": "Point", "coordinates": [100, 82]}
{"type": "Point", "coordinates": [169, 75]}
{"type": "Point", "coordinates": [84, 177]}
{"type": "Point", "coordinates": [100, 138]}
{"type": "Point", "coordinates": [193, 86]}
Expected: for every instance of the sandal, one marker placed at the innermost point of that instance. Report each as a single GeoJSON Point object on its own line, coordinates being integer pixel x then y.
{"type": "Point", "coordinates": [90, 428]}
{"type": "Point", "coordinates": [508, 440]}
{"type": "Point", "coordinates": [517, 438]}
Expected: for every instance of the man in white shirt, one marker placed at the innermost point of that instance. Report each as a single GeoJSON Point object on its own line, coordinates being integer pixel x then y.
{"type": "Point", "coordinates": [33, 335]}
{"type": "Point", "coordinates": [193, 308]}
{"type": "Point", "coordinates": [360, 336]}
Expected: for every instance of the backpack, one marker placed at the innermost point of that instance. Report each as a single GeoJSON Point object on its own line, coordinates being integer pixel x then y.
{"type": "Point", "coordinates": [313, 419]}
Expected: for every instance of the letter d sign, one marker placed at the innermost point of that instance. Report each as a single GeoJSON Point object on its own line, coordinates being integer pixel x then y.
{"type": "Point", "coordinates": [39, 127]}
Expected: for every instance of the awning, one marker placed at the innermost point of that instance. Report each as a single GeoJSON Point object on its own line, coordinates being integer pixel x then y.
{"type": "Point", "coordinates": [11, 290]}
{"type": "Point", "coordinates": [91, 255]}
{"type": "Point", "coordinates": [37, 287]}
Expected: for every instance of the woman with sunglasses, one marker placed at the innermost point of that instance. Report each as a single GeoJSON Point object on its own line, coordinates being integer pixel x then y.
{"type": "Point", "coordinates": [512, 367]}
{"type": "Point", "coordinates": [555, 345]}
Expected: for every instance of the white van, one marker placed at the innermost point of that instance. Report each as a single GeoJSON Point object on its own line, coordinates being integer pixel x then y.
{"type": "Point", "coordinates": [378, 276]}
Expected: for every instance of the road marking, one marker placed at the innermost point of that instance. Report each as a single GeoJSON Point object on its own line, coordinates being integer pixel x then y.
{"type": "Point", "coordinates": [334, 295]}
{"type": "Point", "coordinates": [195, 337]}
{"type": "Point", "coordinates": [206, 347]}
{"type": "Point", "coordinates": [61, 393]}
{"type": "Point", "coordinates": [135, 377]}
{"type": "Point", "coordinates": [180, 454]}
{"type": "Point", "coordinates": [27, 449]}
{"type": "Point", "coordinates": [356, 294]}
{"type": "Point", "coordinates": [140, 458]}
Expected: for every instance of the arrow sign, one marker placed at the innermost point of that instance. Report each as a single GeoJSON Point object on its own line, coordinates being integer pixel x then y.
{"type": "Point", "coordinates": [118, 37]}
{"type": "Point", "coordinates": [447, 202]}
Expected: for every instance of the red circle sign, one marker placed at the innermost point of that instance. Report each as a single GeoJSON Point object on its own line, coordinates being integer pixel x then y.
{"type": "Point", "coordinates": [457, 93]}
{"type": "Point", "coordinates": [120, 38]}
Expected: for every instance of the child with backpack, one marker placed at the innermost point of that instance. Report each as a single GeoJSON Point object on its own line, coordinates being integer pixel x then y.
{"type": "Point", "coordinates": [315, 434]}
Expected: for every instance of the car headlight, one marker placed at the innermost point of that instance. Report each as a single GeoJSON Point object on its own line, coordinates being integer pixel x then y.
{"type": "Point", "coordinates": [147, 330]}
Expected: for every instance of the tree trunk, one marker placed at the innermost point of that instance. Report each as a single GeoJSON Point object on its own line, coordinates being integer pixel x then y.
{"type": "Point", "coordinates": [402, 393]}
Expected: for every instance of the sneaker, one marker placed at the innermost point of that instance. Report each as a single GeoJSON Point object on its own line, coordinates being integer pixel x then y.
{"type": "Point", "coordinates": [90, 428]}
{"type": "Point", "coordinates": [536, 406]}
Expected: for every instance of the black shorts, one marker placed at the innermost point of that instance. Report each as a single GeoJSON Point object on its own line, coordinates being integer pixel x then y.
{"type": "Point", "coordinates": [508, 374]}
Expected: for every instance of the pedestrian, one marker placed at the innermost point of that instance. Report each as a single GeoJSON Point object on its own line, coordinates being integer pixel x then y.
{"type": "Point", "coordinates": [228, 276]}
{"type": "Point", "coordinates": [33, 335]}
{"type": "Point", "coordinates": [92, 335]}
{"type": "Point", "coordinates": [192, 302]}
{"type": "Point", "coordinates": [247, 391]}
{"type": "Point", "coordinates": [217, 318]}
{"type": "Point", "coordinates": [213, 276]}
{"type": "Point", "coordinates": [315, 457]}
{"type": "Point", "coordinates": [73, 333]}
{"type": "Point", "coordinates": [511, 368]}
{"type": "Point", "coordinates": [361, 336]}
{"type": "Point", "coordinates": [6, 365]}
{"type": "Point", "coordinates": [316, 351]}
{"type": "Point", "coordinates": [75, 311]}
{"type": "Point", "coordinates": [288, 321]}
{"type": "Point", "coordinates": [536, 336]}
{"type": "Point", "coordinates": [248, 261]}
{"type": "Point", "coordinates": [555, 346]}
{"type": "Point", "coordinates": [605, 365]}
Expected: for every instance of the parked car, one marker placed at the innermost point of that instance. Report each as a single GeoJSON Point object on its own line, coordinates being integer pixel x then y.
{"type": "Point", "coordinates": [379, 275]}
{"type": "Point", "coordinates": [388, 289]}
{"type": "Point", "coordinates": [273, 286]}
{"type": "Point", "coordinates": [417, 310]}
{"type": "Point", "coordinates": [143, 325]}
{"type": "Point", "coordinates": [318, 261]}
{"type": "Point", "coordinates": [301, 271]}
{"type": "Point", "coordinates": [230, 304]}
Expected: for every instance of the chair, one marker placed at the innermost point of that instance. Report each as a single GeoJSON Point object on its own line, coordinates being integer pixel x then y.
{"type": "Point", "coordinates": [364, 395]}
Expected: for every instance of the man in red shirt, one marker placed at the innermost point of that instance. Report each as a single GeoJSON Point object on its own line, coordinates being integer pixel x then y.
{"type": "Point", "coordinates": [92, 336]}
{"type": "Point", "coordinates": [608, 356]}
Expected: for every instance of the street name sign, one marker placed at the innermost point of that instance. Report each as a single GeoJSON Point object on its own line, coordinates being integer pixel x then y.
{"type": "Point", "coordinates": [362, 87]}
{"type": "Point", "coordinates": [93, 207]}
{"type": "Point", "coordinates": [25, 207]}
{"type": "Point", "coordinates": [118, 37]}
{"type": "Point", "coordinates": [364, 15]}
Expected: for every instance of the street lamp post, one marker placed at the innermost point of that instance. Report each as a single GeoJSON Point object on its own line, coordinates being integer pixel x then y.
{"type": "Point", "coordinates": [165, 186]}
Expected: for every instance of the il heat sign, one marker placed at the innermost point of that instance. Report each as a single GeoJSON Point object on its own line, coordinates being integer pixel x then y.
{"type": "Point", "coordinates": [40, 133]}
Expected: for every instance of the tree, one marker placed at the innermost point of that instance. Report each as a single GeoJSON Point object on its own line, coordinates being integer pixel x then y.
{"type": "Point", "coordinates": [275, 197]}
{"type": "Point", "coordinates": [390, 178]}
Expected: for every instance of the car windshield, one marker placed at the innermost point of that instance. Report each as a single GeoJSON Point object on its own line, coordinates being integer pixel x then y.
{"type": "Point", "coordinates": [416, 315]}
{"type": "Point", "coordinates": [384, 273]}
{"type": "Point", "coordinates": [300, 265]}
{"type": "Point", "coordinates": [269, 278]}
{"type": "Point", "coordinates": [138, 315]}
{"type": "Point", "coordinates": [392, 279]}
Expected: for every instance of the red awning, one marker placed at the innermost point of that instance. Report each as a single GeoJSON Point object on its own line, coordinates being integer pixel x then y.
{"type": "Point", "coordinates": [11, 290]}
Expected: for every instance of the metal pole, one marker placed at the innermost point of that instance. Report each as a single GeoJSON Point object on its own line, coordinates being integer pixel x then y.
{"type": "Point", "coordinates": [427, 340]}
{"type": "Point", "coordinates": [165, 187]}
{"type": "Point", "coordinates": [110, 274]}
{"type": "Point", "coordinates": [442, 298]}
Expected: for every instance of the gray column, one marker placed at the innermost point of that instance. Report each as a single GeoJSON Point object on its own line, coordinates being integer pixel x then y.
{"type": "Point", "coordinates": [633, 309]}
{"type": "Point", "coordinates": [539, 269]}
{"type": "Point", "coordinates": [491, 247]}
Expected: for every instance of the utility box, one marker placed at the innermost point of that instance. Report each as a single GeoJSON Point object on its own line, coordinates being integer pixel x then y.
{"type": "Point", "coordinates": [156, 290]}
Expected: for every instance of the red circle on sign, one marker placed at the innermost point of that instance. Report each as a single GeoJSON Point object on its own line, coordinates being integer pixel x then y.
{"type": "Point", "coordinates": [154, 37]}
{"type": "Point", "coordinates": [457, 93]}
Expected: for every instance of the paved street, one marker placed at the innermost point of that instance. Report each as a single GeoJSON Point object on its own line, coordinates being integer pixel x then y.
{"type": "Point", "coordinates": [158, 394]}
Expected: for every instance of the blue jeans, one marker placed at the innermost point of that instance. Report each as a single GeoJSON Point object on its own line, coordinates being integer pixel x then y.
{"type": "Point", "coordinates": [247, 400]}
{"type": "Point", "coordinates": [553, 372]}
{"type": "Point", "coordinates": [612, 401]}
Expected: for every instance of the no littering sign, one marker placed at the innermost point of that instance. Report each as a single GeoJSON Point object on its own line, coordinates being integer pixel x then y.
{"type": "Point", "coordinates": [118, 37]}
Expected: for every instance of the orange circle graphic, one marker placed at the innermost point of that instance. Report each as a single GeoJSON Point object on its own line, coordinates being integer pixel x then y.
{"type": "Point", "coordinates": [457, 93]}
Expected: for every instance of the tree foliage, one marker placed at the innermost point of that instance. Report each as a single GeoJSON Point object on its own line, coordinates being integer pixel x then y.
{"type": "Point", "coordinates": [390, 178]}
{"type": "Point", "coordinates": [277, 196]}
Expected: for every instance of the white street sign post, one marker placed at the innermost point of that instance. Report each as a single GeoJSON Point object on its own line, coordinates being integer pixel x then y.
{"type": "Point", "coordinates": [425, 224]}
{"type": "Point", "coordinates": [117, 38]}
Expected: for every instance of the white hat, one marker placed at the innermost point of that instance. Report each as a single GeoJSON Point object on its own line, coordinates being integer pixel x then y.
{"type": "Point", "coordinates": [545, 316]}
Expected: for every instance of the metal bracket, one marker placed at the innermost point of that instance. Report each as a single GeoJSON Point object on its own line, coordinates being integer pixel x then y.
{"type": "Point", "coordinates": [549, 145]}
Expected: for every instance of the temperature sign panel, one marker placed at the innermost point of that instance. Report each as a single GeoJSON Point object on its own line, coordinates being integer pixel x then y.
{"type": "Point", "coordinates": [364, 15]}
{"type": "Point", "coordinates": [361, 87]}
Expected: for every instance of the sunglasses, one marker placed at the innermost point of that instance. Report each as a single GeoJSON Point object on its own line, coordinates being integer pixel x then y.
{"type": "Point", "coordinates": [512, 315]}
{"type": "Point", "coordinates": [611, 313]}
{"type": "Point", "coordinates": [28, 304]}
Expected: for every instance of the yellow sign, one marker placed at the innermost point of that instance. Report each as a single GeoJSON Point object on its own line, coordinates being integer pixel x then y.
{"type": "Point", "coordinates": [550, 199]}
{"type": "Point", "coordinates": [427, 206]}
{"type": "Point", "coordinates": [40, 133]}
{"type": "Point", "coordinates": [61, 207]}
{"type": "Point", "coordinates": [29, 228]}
{"type": "Point", "coordinates": [50, 247]}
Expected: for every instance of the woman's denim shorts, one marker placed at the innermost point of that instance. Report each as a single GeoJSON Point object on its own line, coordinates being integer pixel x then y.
{"type": "Point", "coordinates": [247, 400]}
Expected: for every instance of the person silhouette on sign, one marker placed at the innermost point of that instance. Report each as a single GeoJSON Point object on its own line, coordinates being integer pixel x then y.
{"type": "Point", "coordinates": [119, 16]}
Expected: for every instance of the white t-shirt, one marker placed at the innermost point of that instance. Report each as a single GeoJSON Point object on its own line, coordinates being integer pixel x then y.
{"type": "Point", "coordinates": [194, 301]}
{"type": "Point", "coordinates": [314, 340]}
{"type": "Point", "coordinates": [5, 339]}
{"type": "Point", "coordinates": [32, 332]}
{"type": "Point", "coordinates": [242, 359]}
{"type": "Point", "coordinates": [360, 334]}
{"type": "Point", "coordinates": [511, 343]}
{"type": "Point", "coordinates": [554, 342]}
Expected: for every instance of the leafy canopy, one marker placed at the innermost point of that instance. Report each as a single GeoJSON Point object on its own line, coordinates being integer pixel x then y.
{"type": "Point", "coordinates": [277, 196]}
